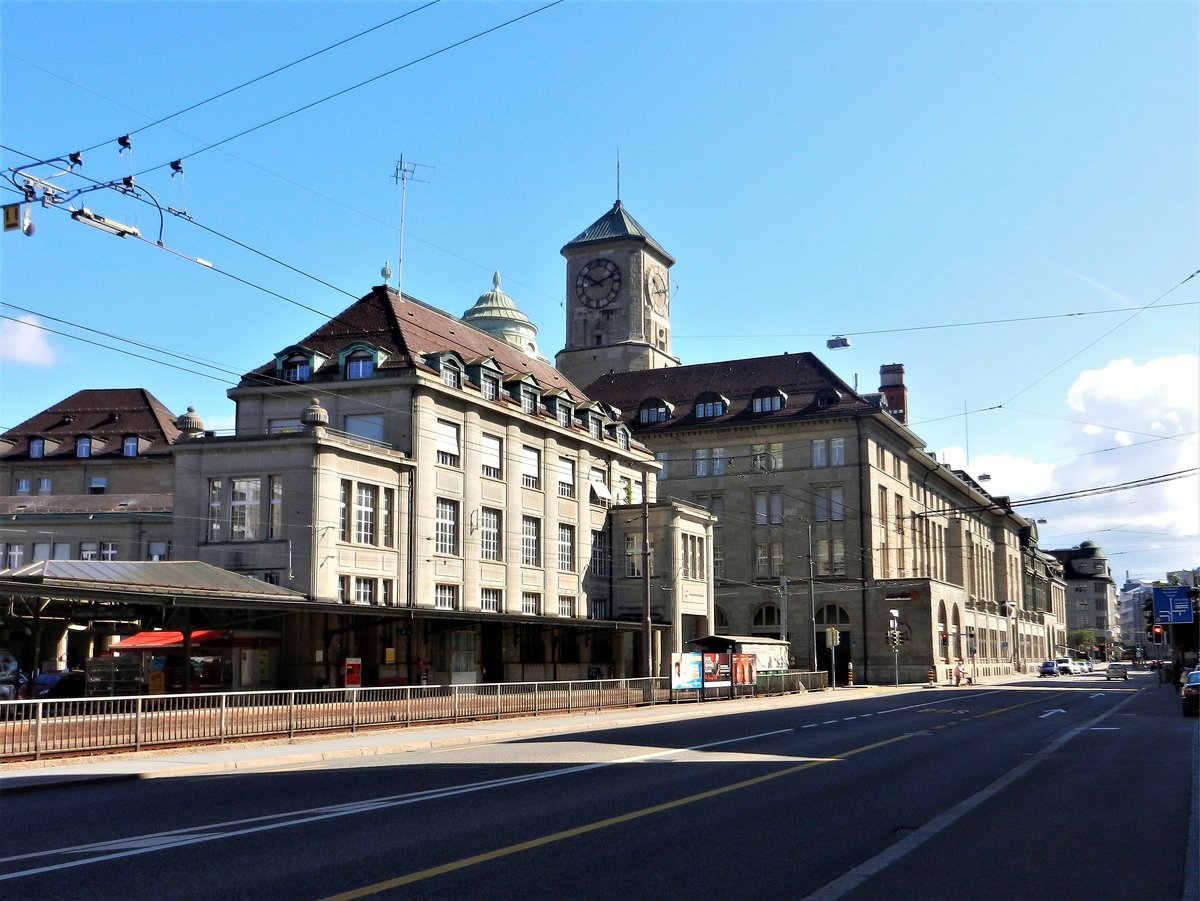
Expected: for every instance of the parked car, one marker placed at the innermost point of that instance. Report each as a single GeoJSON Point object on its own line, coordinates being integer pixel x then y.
{"type": "Point", "coordinates": [1189, 694]}
{"type": "Point", "coordinates": [1064, 666]}
{"type": "Point", "coordinates": [1089, 666]}
{"type": "Point", "coordinates": [1116, 671]}
{"type": "Point", "coordinates": [1078, 668]}
{"type": "Point", "coordinates": [1048, 668]}
{"type": "Point", "coordinates": [10, 675]}
{"type": "Point", "coordinates": [68, 685]}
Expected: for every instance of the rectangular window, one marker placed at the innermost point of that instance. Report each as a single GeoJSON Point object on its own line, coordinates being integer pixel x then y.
{"type": "Point", "coordinates": [364, 591]}
{"type": "Point", "coordinates": [594, 428]}
{"type": "Point", "coordinates": [633, 556]}
{"type": "Point", "coordinates": [387, 593]}
{"type": "Point", "coordinates": [446, 527]}
{"type": "Point", "coordinates": [760, 508]}
{"type": "Point", "coordinates": [599, 608]}
{"type": "Point", "coordinates": [243, 509]}
{"type": "Point", "coordinates": [662, 458]}
{"type": "Point", "coordinates": [601, 496]}
{"type": "Point", "coordinates": [445, 597]}
{"type": "Point", "coordinates": [531, 541]}
{"type": "Point", "coordinates": [837, 451]}
{"type": "Point", "coordinates": [367, 426]}
{"type": "Point", "coordinates": [564, 415]}
{"type": "Point", "coordinates": [97, 485]}
{"type": "Point", "coordinates": [108, 550]}
{"type": "Point", "coordinates": [489, 600]}
{"type": "Point", "coordinates": [89, 550]}
{"type": "Point", "coordinates": [837, 503]}
{"type": "Point", "coordinates": [451, 377]}
{"type": "Point", "coordinates": [344, 510]}
{"type": "Point", "coordinates": [24, 486]}
{"type": "Point", "coordinates": [284, 426]}
{"type": "Point", "coordinates": [822, 557]}
{"type": "Point", "coordinates": [41, 551]}
{"type": "Point", "coordinates": [761, 560]}
{"type": "Point", "coordinates": [490, 387]}
{"type": "Point", "coordinates": [531, 467]}
{"type": "Point", "coordinates": [566, 548]}
{"type": "Point", "coordinates": [776, 558]}
{"type": "Point", "coordinates": [566, 605]}
{"type": "Point", "coordinates": [700, 462]}
{"type": "Point", "coordinates": [838, 562]}
{"type": "Point", "coordinates": [62, 550]}
{"type": "Point", "coordinates": [447, 443]}
{"type": "Point", "coordinates": [37, 448]}
{"type": "Point", "coordinates": [566, 477]}
{"type": "Point", "coordinates": [818, 453]}
{"type": "Point", "coordinates": [528, 401]}
{"type": "Point", "coordinates": [625, 490]}
{"type": "Point", "coordinates": [275, 514]}
{"type": "Point", "coordinates": [83, 447]}
{"type": "Point", "coordinates": [718, 553]}
{"type": "Point", "coordinates": [129, 446]}
{"type": "Point", "coordinates": [718, 461]}
{"type": "Point", "coordinates": [492, 455]}
{"type": "Point", "coordinates": [386, 514]}
{"type": "Point", "coordinates": [601, 557]}
{"type": "Point", "coordinates": [215, 517]}
{"type": "Point", "coordinates": [44, 486]}
{"type": "Point", "coordinates": [158, 550]}
{"type": "Point", "coordinates": [343, 589]}
{"type": "Point", "coordinates": [364, 514]}
{"type": "Point", "coordinates": [531, 603]}
{"type": "Point", "coordinates": [490, 547]}
{"type": "Point", "coordinates": [776, 507]}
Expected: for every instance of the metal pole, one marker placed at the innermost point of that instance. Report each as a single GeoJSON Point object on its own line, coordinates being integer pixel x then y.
{"type": "Point", "coordinates": [647, 645]}
{"type": "Point", "coordinates": [812, 600]}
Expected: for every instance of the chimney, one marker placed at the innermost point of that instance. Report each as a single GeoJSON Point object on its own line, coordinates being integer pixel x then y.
{"type": "Point", "coordinates": [891, 386]}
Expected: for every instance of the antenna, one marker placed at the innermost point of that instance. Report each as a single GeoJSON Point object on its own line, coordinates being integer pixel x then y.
{"type": "Point", "coordinates": [618, 175]}
{"type": "Point", "coordinates": [403, 174]}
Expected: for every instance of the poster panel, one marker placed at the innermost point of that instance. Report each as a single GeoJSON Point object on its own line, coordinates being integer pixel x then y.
{"type": "Point", "coordinates": [685, 671]}
{"type": "Point", "coordinates": [717, 671]}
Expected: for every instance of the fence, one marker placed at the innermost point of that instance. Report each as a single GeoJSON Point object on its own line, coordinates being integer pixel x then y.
{"type": "Point", "coordinates": [62, 727]}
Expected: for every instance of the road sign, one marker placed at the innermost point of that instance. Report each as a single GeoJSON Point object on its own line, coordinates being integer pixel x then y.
{"type": "Point", "coordinates": [12, 217]}
{"type": "Point", "coordinates": [1172, 605]}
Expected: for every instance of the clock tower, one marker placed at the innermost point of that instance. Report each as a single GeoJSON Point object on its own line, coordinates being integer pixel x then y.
{"type": "Point", "coordinates": [618, 301]}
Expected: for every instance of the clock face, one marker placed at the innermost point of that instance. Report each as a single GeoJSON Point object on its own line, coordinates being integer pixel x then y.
{"type": "Point", "coordinates": [598, 283]}
{"type": "Point", "coordinates": [656, 288]}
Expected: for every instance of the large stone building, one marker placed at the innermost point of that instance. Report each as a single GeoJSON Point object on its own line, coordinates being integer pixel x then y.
{"type": "Point", "coordinates": [1091, 595]}
{"type": "Point", "coordinates": [830, 513]}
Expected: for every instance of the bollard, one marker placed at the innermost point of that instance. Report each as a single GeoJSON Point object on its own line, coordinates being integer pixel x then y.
{"type": "Point", "coordinates": [931, 675]}
{"type": "Point", "coordinates": [849, 673]}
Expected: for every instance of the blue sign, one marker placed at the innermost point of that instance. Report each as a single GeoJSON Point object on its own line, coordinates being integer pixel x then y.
{"type": "Point", "coordinates": [1172, 606]}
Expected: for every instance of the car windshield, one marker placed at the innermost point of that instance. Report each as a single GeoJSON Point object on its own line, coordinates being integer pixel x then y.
{"type": "Point", "coordinates": [1193, 679]}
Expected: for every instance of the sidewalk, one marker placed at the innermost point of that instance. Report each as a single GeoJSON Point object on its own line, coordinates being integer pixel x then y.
{"type": "Point", "coordinates": [26, 776]}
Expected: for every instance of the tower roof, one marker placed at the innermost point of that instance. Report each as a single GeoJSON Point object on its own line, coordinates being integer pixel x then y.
{"type": "Point", "coordinates": [615, 225]}
{"type": "Point", "coordinates": [497, 313]}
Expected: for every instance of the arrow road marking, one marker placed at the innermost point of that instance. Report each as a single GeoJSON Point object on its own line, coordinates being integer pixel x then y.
{"type": "Point", "coordinates": [1051, 713]}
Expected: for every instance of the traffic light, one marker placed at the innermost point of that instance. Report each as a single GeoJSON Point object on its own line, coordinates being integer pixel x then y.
{"type": "Point", "coordinates": [1148, 614]}
{"type": "Point", "coordinates": [1157, 631]}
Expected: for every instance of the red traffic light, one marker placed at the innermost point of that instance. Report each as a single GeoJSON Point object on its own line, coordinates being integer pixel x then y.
{"type": "Point", "coordinates": [1158, 630]}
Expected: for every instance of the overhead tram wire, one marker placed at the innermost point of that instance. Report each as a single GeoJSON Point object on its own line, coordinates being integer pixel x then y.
{"type": "Point", "coordinates": [428, 56]}
{"type": "Point", "coordinates": [266, 75]}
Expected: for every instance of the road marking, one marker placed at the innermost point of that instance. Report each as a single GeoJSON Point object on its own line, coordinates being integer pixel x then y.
{"type": "Point", "coordinates": [158, 841]}
{"type": "Point", "coordinates": [508, 851]}
{"type": "Point", "coordinates": [1051, 713]}
{"type": "Point", "coordinates": [1105, 729]}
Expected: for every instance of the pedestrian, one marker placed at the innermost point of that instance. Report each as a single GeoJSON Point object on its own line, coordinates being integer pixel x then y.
{"type": "Point", "coordinates": [958, 674]}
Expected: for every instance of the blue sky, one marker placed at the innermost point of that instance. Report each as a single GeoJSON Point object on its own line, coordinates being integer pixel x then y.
{"type": "Point", "coordinates": [865, 169]}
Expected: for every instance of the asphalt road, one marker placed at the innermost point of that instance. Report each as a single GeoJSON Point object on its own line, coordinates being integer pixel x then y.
{"type": "Point", "coordinates": [1065, 788]}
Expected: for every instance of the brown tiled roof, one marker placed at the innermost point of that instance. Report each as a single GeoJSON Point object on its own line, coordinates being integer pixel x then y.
{"type": "Point", "coordinates": [408, 330]}
{"type": "Point", "coordinates": [99, 413]}
{"type": "Point", "coordinates": [799, 376]}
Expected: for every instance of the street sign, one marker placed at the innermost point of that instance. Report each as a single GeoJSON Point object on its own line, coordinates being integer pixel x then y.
{"type": "Point", "coordinates": [12, 217]}
{"type": "Point", "coordinates": [1172, 605]}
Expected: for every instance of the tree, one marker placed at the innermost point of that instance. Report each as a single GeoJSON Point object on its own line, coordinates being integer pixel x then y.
{"type": "Point", "coordinates": [1081, 639]}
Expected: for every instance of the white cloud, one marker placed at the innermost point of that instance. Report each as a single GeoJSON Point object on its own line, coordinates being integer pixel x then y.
{"type": "Point", "coordinates": [1140, 420]}
{"type": "Point", "coordinates": [21, 341]}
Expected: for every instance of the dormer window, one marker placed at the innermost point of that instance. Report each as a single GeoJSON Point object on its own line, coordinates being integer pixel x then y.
{"type": "Point", "coordinates": [529, 401]}
{"type": "Point", "coordinates": [767, 400]}
{"type": "Point", "coordinates": [563, 412]}
{"type": "Point", "coordinates": [827, 397]}
{"type": "Point", "coordinates": [654, 410]}
{"type": "Point", "coordinates": [297, 369]}
{"type": "Point", "coordinates": [451, 376]}
{"type": "Point", "coordinates": [129, 446]}
{"type": "Point", "coordinates": [710, 405]}
{"type": "Point", "coordinates": [360, 365]}
{"type": "Point", "coordinates": [489, 386]}
{"type": "Point", "coordinates": [37, 448]}
{"type": "Point", "coordinates": [83, 447]}
{"type": "Point", "coordinates": [623, 438]}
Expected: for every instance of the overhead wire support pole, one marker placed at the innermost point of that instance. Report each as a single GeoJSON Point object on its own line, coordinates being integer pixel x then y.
{"type": "Point", "coordinates": [402, 175]}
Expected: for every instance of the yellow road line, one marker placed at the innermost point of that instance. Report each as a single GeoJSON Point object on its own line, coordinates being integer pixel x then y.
{"type": "Point", "coordinates": [466, 862]}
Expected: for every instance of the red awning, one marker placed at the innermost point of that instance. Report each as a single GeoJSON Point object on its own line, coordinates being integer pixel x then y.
{"type": "Point", "coordinates": [155, 640]}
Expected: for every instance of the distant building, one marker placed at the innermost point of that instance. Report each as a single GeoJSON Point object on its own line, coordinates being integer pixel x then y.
{"type": "Point", "coordinates": [1091, 594]}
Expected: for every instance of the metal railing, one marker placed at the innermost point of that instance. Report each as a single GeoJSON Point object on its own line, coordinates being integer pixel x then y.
{"type": "Point", "coordinates": [46, 728]}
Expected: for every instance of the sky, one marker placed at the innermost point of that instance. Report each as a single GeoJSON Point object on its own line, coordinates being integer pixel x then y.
{"type": "Point", "coordinates": [1001, 196]}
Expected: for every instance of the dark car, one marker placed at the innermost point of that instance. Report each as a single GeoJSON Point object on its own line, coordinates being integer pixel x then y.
{"type": "Point", "coordinates": [1189, 694]}
{"type": "Point", "coordinates": [69, 685]}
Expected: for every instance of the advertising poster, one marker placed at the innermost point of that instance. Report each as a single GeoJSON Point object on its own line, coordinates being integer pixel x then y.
{"type": "Point", "coordinates": [716, 671]}
{"type": "Point", "coordinates": [685, 671]}
{"type": "Point", "coordinates": [743, 669]}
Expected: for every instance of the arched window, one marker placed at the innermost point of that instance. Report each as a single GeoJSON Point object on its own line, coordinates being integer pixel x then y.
{"type": "Point", "coordinates": [766, 615]}
{"type": "Point", "coordinates": [722, 619]}
{"type": "Point", "coordinates": [710, 405]}
{"type": "Point", "coordinates": [832, 614]}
